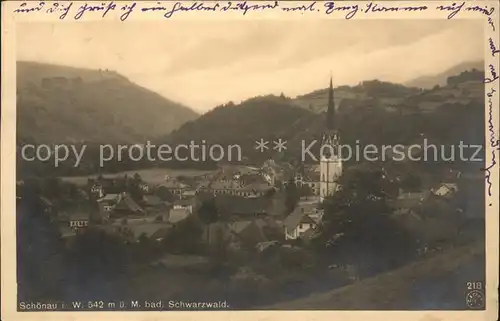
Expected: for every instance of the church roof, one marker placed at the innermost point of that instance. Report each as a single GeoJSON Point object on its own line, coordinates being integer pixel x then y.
{"type": "Point", "coordinates": [330, 113]}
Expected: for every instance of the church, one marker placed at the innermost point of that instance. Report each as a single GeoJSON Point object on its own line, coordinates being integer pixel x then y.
{"type": "Point", "coordinates": [321, 179]}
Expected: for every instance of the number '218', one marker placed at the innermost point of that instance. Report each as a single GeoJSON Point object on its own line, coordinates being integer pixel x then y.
{"type": "Point", "coordinates": [474, 285]}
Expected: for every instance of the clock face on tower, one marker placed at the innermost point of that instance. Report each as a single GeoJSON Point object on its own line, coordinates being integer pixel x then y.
{"type": "Point", "coordinates": [329, 147]}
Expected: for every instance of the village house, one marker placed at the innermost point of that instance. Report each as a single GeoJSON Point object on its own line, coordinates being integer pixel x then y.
{"type": "Point", "coordinates": [244, 234]}
{"type": "Point", "coordinates": [269, 176]}
{"type": "Point", "coordinates": [145, 188]}
{"type": "Point", "coordinates": [180, 210]}
{"type": "Point", "coordinates": [256, 189]}
{"type": "Point", "coordinates": [408, 202]}
{"type": "Point", "coordinates": [77, 218]}
{"type": "Point", "coordinates": [309, 204]}
{"type": "Point", "coordinates": [234, 208]}
{"type": "Point", "coordinates": [247, 179]}
{"type": "Point", "coordinates": [233, 235]}
{"type": "Point", "coordinates": [108, 202]}
{"type": "Point", "coordinates": [156, 208]}
{"type": "Point", "coordinates": [309, 178]}
{"type": "Point", "coordinates": [189, 193]}
{"type": "Point", "coordinates": [101, 186]}
{"type": "Point", "coordinates": [270, 171]}
{"type": "Point", "coordinates": [221, 187]}
{"type": "Point", "coordinates": [97, 190]}
{"type": "Point", "coordinates": [299, 222]}
{"type": "Point", "coordinates": [152, 231]}
{"type": "Point", "coordinates": [175, 187]}
{"type": "Point", "coordinates": [126, 206]}
{"type": "Point", "coordinates": [445, 190]}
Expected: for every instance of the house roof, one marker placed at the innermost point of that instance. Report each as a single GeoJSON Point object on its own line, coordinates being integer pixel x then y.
{"type": "Point", "coordinates": [307, 207]}
{"type": "Point", "coordinates": [153, 200]}
{"type": "Point", "coordinates": [317, 217]}
{"type": "Point", "coordinates": [177, 215]}
{"type": "Point", "coordinates": [230, 170]}
{"type": "Point", "coordinates": [253, 178]}
{"type": "Point", "coordinates": [174, 184]}
{"type": "Point", "coordinates": [184, 202]}
{"type": "Point", "coordinates": [66, 231]}
{"type": "Point", "coordinates": [262, 186]}
{"type": "Point", "coordinates": [189, 193]}
{"type": "Point", "coordinates": [204, 184]}
{"type": "Point", "coordinates": [238, 227]}
{"type": "Point", "coordinates": [446, 187]}
{"type": "Point", "coordinates": [241, 205]}
{"type": "Point", "coordinates": [128, 204]}
{"type": "Point", "coordinates": [225, 184]}
{"type": "Point", "coordinates": [297, 217]}
{"type": "Point", "coordinates": [262, 246]}
{"type": "Point", "coordinates": [46, 201]}
{"type": "Point", "coordinates": [78, 214]}
{"type": "Point", "coordinates": [309, 234]}
{"type": "Point", "coordinates": [149, 229]}
{"type": "Point", "coordinates": [109, 197]}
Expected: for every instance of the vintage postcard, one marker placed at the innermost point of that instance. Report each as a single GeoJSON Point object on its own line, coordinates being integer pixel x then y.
{"type": "Point", "coordinates": [250, 160]}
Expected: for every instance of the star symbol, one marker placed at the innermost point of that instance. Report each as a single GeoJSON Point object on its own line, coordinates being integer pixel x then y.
{"type": "Point", "coordinates": [261, 145]}
{"type": "Point", "coordinates": [279, 145]}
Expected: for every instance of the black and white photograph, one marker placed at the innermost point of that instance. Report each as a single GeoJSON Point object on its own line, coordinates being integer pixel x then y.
{"type": "Point", "coordinates": [252, 164]}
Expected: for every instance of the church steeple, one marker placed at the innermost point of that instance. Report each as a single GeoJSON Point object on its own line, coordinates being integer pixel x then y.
{"type": "Point", "coordinates": [330, 114]}
{"type": "Point", "coordinates": [331, 160]}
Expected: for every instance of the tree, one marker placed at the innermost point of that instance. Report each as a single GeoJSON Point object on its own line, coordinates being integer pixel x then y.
{"type": "Point", "coordinates": [411, 183]}
{"type": "Point", "coordinates": [185, 237]}
{"type": "Point", "coordinates": [270, 192]}
{"type": "Point", "coordinates": [358, 226]}
{"type": "Point", "coordinates": [305, 190]}
{"type": "Point", "coordinates": [208, 212]}
{"type": "Point", "coordinates": [137, 178]}
{"type": "Point", "coordinates": [40, 264]}
{"type": "Point", "coordinates": [165, 195]}
{"type": "Point", "coordinates": [292, 195]}
{"type": "Point", "coordinates": [135, 190]}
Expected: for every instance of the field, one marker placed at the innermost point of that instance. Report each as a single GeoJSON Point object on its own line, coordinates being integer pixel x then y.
{"type": "Point", "coordinates": [438, 282]}
{"type": "Point", "coordinates": [151, 175]}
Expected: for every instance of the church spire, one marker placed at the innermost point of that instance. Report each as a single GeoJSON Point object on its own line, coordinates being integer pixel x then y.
{"type": "Point", "coordinates": [330, 114]}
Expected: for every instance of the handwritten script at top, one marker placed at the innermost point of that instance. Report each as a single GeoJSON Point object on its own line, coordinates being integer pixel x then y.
{"type": "Point", "coordinates": [493, 141]}
{"type": "Point", "coordinates": [491, 79]}
{"type": "Point", "coordinates": [78, 10]}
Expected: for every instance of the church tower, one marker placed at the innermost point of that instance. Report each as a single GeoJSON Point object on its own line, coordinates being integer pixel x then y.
{"type": "Point", "coordinates": [330, 161]}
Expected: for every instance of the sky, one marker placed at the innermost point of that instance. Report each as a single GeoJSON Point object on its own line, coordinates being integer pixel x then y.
{"type": "Point", "coordinates": [203, 64]}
